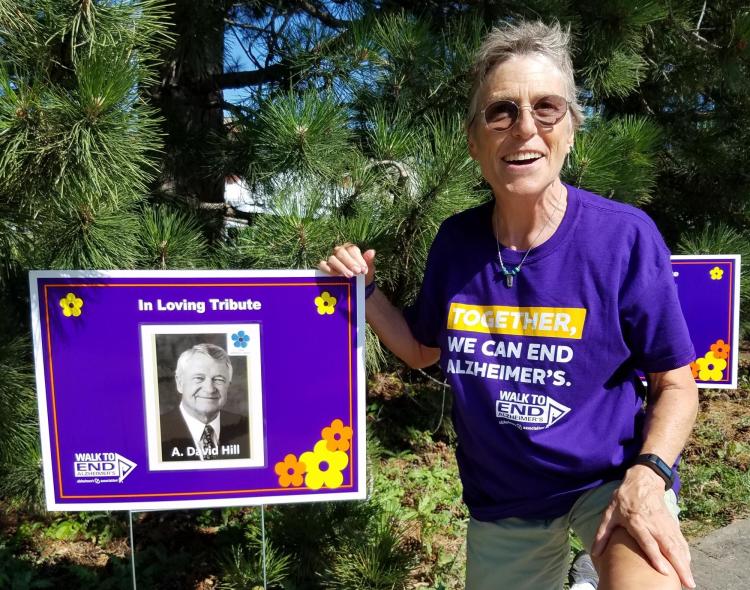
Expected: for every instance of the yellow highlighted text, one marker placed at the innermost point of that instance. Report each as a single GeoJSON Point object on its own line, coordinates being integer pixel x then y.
{"type": "Point", "coordinates": [552, 322]}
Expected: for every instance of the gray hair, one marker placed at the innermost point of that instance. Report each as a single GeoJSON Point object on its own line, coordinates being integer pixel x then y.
{"type": "Point", "coordinates": [215, 352]}
{"type": "Point", "coordinates": [525, 38]}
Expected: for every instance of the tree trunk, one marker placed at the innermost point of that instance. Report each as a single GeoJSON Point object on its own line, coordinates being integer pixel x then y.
{"type": "Point", "coordinates": [192, 111]}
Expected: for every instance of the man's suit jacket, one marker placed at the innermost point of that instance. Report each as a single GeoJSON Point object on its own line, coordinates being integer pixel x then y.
{"type": "Point", "coordinates": [175, 434]}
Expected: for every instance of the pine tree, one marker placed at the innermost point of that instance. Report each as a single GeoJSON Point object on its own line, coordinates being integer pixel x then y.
{"type": "Point", "coordinates": [78, 151]}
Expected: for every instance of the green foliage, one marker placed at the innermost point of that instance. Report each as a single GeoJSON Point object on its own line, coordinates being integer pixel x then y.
{"type": "Point", "coordinates": [84, 237]}
{"type": "Point", "coordinates": [432, 495]}
{"type": "Point", "coordinates": [245, 572]}
{"type": "Point", "coordinates": [48, 32]}
{"type": "Point", "coordinates": [304, 133]}
{"type": "Point", "coordinates": [171, 239]}
{"type": "Point", "coordinates": [98, 527]}
{"type": "Point", "coordinates": [389, 134]}
{"type": "Point", "coordinates": [20, 477]}
{"type": "Point", "coordinates": [312, 534]}
{"type": "Point", "coordinates": [379, 561]}
{"type": "Point", "coordinates": [292, 234]}
{"type": "Point", "coordinates": [612, 49]}
{"type": "Point", "coordinates": [17, 574]}
{"type": "Point", "coordinates": [617, 158]}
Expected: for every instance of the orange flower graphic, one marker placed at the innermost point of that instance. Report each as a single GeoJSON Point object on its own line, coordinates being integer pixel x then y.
{"type": "Point", "coordinates": [337, 436]}
{"type": "Point", "coordinates": [694, 368]}
{"type": "Point", "coordinates": [290, 471]}
{"type": "Point", "coordinates": [720, 349]}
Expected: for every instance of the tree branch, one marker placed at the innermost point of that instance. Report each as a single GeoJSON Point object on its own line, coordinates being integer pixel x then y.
{"type": "Point", "coordinates": [228, 106]}
{"type": "Point", "coordinates": [240, 25]}
{"type": "Point", "coordinates": [224, 208]}
{"type": "Point", "coordinates": [700, 20]}
{"type": "Point", "coordinates": [273, 73]}
{"type": "Point", "coordinates": [317, 11]}
{"type": "Point", "coordinates": [403, 174]}
{"type": "Point", "coordinates": [249, 55]}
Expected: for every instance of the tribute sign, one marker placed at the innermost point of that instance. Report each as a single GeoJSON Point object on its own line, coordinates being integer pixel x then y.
{"type": "Point", "coordinates": [709, 292]}
{"type": "Point", "coordinates": [195, 389]}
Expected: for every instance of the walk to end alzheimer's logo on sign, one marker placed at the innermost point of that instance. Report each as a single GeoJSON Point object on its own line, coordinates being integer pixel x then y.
{"type": "Point", "coordinates": [185, 389]}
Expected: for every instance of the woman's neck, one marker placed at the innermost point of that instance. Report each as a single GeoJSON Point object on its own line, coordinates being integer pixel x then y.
{"type": "Point", "coordinates": [524, 222]}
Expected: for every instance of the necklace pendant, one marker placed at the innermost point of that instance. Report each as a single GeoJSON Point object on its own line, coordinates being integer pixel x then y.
{"type": "Point", "coordinates": [509, 280]}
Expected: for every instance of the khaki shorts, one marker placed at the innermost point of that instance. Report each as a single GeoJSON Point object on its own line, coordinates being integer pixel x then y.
{"type": "Point", "coordinates": [521, 554]}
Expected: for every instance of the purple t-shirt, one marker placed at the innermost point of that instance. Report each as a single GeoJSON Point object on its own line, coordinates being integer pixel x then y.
{"type": "Point", "coordinates": [547, 403]}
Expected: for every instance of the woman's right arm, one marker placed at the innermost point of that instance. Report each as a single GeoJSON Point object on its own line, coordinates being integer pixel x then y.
{"type": "Point", "coordinates": [386, 319]}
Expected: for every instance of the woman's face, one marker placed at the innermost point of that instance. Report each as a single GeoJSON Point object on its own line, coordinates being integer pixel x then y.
{"type": "Point", "coordinates": [524, 80]}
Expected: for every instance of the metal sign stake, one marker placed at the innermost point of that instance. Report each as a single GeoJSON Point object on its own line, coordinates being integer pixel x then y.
{"type": "Point", "coordinates": [263, 543]}
{"type": "Point", "coordinates": [132, 548]}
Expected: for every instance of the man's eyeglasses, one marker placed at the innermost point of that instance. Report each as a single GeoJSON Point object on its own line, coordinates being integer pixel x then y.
{"type": "Point", "coordinates": [501, 115]}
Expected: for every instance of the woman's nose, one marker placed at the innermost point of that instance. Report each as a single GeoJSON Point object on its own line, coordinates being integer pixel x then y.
{"type": "Point", "coordinates": [526, 124]}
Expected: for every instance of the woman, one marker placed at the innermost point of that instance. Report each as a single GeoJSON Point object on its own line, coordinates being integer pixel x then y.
{"type": "Point", "coordinates": [540, 305]}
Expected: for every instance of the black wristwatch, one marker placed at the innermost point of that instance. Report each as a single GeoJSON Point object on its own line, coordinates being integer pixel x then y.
{"type": "Point", "coordinates": [659, 466]}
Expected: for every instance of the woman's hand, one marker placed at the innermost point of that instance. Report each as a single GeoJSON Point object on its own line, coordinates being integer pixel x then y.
{"type": "Point", "coordinates": [348, 260]}
{"type": "Point", "coordinates": [638, 506]}
{"type": "Point", "coordinates": [385, 319]}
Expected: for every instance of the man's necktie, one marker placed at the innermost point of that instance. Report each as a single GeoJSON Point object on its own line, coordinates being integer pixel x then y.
{"type": "Point", "coordinates": [207, 442]}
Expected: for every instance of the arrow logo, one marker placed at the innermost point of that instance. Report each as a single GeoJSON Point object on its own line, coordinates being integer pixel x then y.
{"type": "Point", "coordinates": [124, 467]}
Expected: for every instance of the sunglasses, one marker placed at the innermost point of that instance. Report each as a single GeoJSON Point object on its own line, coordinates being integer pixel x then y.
{"type": "Point", "coordinates": [501, 115]}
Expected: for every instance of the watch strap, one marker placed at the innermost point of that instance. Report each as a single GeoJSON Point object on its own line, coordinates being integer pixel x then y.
{"type": "Point", "coordinates": [659, 467]}
{"type": "Point", "coordinates": [370, 289]}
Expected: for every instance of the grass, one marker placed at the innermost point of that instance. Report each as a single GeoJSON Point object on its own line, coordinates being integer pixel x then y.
{"type": "Point", "coordinates": [716, 462]}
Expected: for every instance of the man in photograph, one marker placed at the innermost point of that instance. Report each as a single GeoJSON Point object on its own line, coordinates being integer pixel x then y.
{"type": "Point", "coordinates": [199, 429]}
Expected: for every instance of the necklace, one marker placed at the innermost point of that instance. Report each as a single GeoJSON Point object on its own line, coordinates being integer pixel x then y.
{"type": "Point", "coordinates": [510, 273]}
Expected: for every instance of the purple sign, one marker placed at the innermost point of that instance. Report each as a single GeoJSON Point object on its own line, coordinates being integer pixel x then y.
{"type": "Point", "coordinates": [709, 292]}
{"type": "Point", "coordinates": [196, 389]}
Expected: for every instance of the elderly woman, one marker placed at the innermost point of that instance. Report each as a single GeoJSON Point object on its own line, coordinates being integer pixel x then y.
{"type": "Point", "coordinates": [540, 305]}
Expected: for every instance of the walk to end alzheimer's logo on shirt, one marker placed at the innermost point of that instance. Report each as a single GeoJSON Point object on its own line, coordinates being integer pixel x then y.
{"type": "Point", "coordinates": [524, 363]}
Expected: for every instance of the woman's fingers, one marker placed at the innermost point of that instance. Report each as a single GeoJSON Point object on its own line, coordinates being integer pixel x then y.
{"type": "Point", "coordinates": [351, 256]}
{"type": "Point", "coordinates": [347, 260]}
{"type": "Point", "coordinates": [338, 267]}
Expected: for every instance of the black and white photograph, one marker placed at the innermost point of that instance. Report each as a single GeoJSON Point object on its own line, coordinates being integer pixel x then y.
{"type": "Point", "coordinates": [202, 415]}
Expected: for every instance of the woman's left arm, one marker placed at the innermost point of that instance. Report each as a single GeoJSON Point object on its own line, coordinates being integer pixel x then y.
{"type": "Point", "coordinates": [638, 504]}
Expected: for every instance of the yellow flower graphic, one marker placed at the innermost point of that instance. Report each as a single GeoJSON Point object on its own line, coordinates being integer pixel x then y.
{"type": "Point", "coordinates": [711, 368]}
{"type": "Point", "coordinates": [325, 303]}
{"type": "Point", "coordinates": [716, 273]}
{"type": "Point", "coordinates": [71, 305]}
{"type": "Point", "coordinates": [324, 467]}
